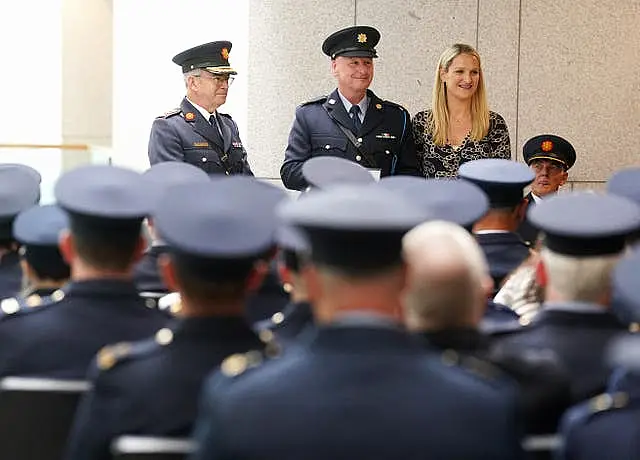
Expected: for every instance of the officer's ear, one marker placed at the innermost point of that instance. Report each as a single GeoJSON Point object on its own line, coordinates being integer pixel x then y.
{"type": "Point", "coordinates": [563, 178]}
{"type": "Point", "coordinates": [67, 247]}
{"type": "Point", "coordinates": [168, 272]}
{"type": "Point", "coordinates": [333, 67]}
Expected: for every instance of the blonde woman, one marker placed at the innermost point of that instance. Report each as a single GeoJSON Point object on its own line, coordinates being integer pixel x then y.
{"type": "Point", "coordinates": [459, 127]}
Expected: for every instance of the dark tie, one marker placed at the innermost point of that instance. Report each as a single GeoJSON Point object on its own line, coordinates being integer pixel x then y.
{"type": "Point", "coordinates": [355, 116]}
{"type": "Point", "coordinates": [214, 122]}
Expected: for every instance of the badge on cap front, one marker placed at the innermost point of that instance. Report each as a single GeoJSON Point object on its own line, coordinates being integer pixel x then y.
{"type": "Point", "coordinates": [547, 146]}
{"type": "Point", "coordinates": [362, 38]}
{"type": "Point", "coordinates": [224, 53]}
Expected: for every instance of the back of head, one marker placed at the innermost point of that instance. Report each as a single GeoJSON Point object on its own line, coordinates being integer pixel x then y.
{"type": "Point", "coordinates": [19, 190]}
{"type": "Point", "coordinates": [448, 277]}
{"type": "Point", "coordinates": [106, 206]}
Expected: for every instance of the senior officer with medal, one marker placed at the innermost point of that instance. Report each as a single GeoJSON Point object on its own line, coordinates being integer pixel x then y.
{"type": "Point", "coordinates": [352, 122]}
{"type": "Point", "coordinates": [196, 132]}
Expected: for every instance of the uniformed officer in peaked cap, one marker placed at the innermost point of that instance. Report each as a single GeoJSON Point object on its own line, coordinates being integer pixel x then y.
{"type": "Point", "coordinates": [215, 247]}
{"type": "Point", "coordinates": [59, 338]}
{"type": "Point", "coordinates": [19, 190]}
{"type": "Point", "coordinates": [503, 181]}
{"type": "Point", "coordinates": [355, 277]}
{"type": "Point", "coordinates": [352, 122]}
{"type": "Point", "coordinates": [38, 230]}
{"type": "Point", "coordinates": [159, 178]}
{"type": "Point", "coordinates": [583, 236]}
{"type": "Point", "coordinates": [604, 427]}
{"type": "Point", "coordinates": [196, 132]}
{"type": "Point", "coordinates": [550, 157]}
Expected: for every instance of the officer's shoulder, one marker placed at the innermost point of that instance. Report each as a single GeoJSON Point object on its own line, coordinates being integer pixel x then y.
{"type": "Point", "coordinates": [171, 113]}
{"type": "Point", "coordinates": [112, 356]}
{"type": "Point", "coordinates": [15, 306]}
{"type": "Point", "coordinates": [226, 115]}
{"type": "Point", "coordinates": [480, 368]}
{"type": "Point", "coordinates": [238, 364]}
{"type": "Point", "coordinates": [608, 402]}
{"type": "Point", "coordinates": [395, 105]}
{"type": "Point", "coordinates": [315, 100]}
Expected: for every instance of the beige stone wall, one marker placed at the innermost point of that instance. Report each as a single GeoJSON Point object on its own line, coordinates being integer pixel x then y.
{"type": "Point", "coordinates": [558, 66]}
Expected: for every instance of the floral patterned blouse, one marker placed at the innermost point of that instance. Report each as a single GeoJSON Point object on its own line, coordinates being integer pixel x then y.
{"type": "Point", "coordinates": [436, 161]}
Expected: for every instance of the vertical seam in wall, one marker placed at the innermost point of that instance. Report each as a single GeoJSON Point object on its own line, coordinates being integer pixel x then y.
{"type": "Point", "coordinates": [355, 12]}
{"type": "Point", "coordinates": [518, 80]}
{"type": "Point", "coordinates": [477, 23]}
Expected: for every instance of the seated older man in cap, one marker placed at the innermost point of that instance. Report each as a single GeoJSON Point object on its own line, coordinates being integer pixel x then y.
{"type": "Point", "coordinates": [153, 389]}
{"type": "Point", "coordinates": [503, 181]}
{"type": "Point", "coordinates": [607, 425]}
{"type": "Point", "coordinates": [360, 386]}
{"type": "Point", "coordinates": [584, 236]}
{"type": "Point", "coordinates": [19, 190]}
{"type": "Point", "coordinates": [106, 206]}
{"type": "Point", "coordinates": [550, 157]}
{"type": "Point", "coordinates": [196, 132]}
{"type": "Point", "coordinates": [352, 122]}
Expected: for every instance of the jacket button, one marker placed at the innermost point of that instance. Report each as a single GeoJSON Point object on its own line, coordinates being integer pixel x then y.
{"type": "Point", "coordinates": [327, 146]}
{"type": "Point", "coordinates": [358, 158]}
{"type": "Point", "coordinates": [359, 139]}
{"type": "Point", "coordinates": [387, 152]}
{"type": "Point", "coordinates": [204, 159]}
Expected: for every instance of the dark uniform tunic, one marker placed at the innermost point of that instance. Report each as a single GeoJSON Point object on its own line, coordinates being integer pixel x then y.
{"type": "Point", "coordinates": [385, 136]}
{"type": "Point", "coordinates": [356, 393]}
{"type": "Point", "coordinates": [146, 274]}
{"type": "Point", "coordinates": [504, 252]}
{"type": "Point", "coordinates": [184, 135]}
{"type": "Point", "coordinates": [579, 339]}
{"type": "Point", "coordinates": [60, 338]}
{"type": "Point", "coordinates": [543, 383]}
{"type": "Point", "coordinates": [153, 387]}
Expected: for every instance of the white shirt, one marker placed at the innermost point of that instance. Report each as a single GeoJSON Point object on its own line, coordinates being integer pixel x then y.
{"type": "Point", "coordinates": [536, 198]}
{"type": "Point", "coordinates": [205, 113]}
{"type": "Point", "coordinates": [489, 232]}
{"type": "Point", "coordinates": [363, 104]}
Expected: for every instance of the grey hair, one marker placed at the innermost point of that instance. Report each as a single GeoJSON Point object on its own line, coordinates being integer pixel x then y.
{"type": "Point", "coordinates": [582, 279]}
{"type": "Point", "coordinates": [191, 73]}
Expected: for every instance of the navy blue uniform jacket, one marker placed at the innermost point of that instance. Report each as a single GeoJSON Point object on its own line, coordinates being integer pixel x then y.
{"type": "Point", "coordinates": [153, 388]}
{"type": "Point", "coordinates": [385, 135]}
{"type": "Point", "coordinates": [358, 393]}
{"type": "Point", "coordinates": [184, 135]}
{"type": "Point", "coordinates": [504, 252]}
{"type": "Point", "coordinates": [60, 338]}
{"type": "Point", "coordinates": [10, 275]}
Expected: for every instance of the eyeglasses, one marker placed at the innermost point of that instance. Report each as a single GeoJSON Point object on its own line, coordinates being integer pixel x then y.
{"type": "Point", "coordinates": [552, 167]}
{"type": "Point", "coordinates": [218, 78]}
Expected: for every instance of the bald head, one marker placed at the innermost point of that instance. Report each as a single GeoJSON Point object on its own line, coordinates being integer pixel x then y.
{"type": "Point", "coordinates": [448, 277]}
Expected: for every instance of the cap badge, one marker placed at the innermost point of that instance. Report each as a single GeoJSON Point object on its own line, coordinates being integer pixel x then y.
{"type": "Point", "coordinates": [547, 146]}
{"type": "Point", "coordinates": [189, 116]}
{"type": "Point", "coordinates": [362, 38]}
{"type": "Point", "coordinates": [224, 53]}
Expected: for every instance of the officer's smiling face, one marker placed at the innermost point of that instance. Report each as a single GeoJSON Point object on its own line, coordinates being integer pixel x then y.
{"type": "Point", "coordinates": [354, 74]}
{"type": "Point", "coordinates": [462, 76]}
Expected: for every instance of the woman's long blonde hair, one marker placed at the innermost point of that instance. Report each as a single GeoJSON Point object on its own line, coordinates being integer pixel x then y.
{"type": "Point", "coordinates": [439, 122]}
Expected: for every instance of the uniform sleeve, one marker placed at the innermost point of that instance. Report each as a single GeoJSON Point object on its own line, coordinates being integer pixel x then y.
{"type": "Point", "coordinates": [91, 434]}
{"type": "Point", "coordinates": [208, 429]}
{"type": "Point", "coordinates": [408, 160]}
{"type": "Point", "coordinates": [246, 168]}
{"type": "Point", "coordinates": [298, 151]}
{"type": "Point", "coordinates": [164, 143]}
{"type": "Point", "coordinates": [499, 138]}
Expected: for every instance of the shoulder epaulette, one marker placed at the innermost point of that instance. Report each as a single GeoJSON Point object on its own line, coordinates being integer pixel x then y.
{"type": "Point", "coordinates": [224, 115]}
{"type": "Point", "coordinates": [476, 366]}
{"type": "Point", "coordinates": [112, 355]}
{"type": "Point", "coordinates": [238, 363]}
{"type": "Point", "coordinates": [608, 401]}
{"type": "Point", "coordinates": [14, 305]}
{"type": "Point", "coordinates": [171, 113]}
{"type": "Point", "coordinates": [395, 104]}
{"type": "Point", "coordinates": [314, 100]}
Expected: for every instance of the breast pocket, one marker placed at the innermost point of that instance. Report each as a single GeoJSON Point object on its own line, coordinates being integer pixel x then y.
{"type": "Point", "coordinates": [329, 146]}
